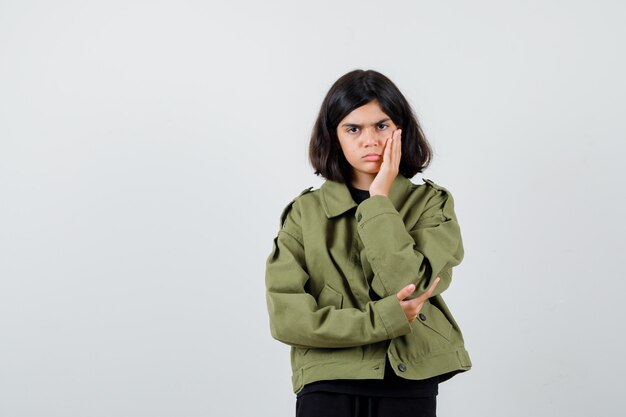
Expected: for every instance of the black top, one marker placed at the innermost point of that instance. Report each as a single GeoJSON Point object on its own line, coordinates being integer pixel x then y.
{"type": "Point", "coordinates": [392, 385]}
{"type": "Point", "coordinates": [358, 195]}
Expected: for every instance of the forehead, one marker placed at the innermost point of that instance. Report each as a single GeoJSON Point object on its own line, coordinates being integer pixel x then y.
{"type": "Point", "coordinates": [370, 112]}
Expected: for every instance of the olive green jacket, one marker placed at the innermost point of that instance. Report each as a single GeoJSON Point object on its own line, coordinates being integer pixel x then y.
{"type": "Point", "coordinates": [333, 275]}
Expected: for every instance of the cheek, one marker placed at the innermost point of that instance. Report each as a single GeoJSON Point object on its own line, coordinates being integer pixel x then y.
{"type": "Point", "coordinates": [354, 151]}
{"type": "Point", "coordinates": [346, 146]}
{"type": "Point", "coordinates": [384, 134]}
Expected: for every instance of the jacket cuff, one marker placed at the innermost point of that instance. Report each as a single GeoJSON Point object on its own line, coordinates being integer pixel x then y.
{"type": "Point", "coordinates": [372, 207]}
{"type": "Point", "coordinates": [393, 317]}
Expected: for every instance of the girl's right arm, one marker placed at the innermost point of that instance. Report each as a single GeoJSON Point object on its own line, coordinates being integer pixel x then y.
{"type": "Point", "coordinates": [297, 320]}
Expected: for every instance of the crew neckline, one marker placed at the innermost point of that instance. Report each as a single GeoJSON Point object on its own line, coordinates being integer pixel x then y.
{"type": "Point", "coordinates": [358, 195]}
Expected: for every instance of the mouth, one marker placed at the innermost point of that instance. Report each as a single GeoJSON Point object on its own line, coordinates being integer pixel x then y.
{"type": "Point", "coordinates": [372, 157]}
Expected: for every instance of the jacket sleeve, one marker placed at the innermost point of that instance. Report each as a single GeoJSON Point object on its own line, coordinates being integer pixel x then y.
{"type": "Point", "coordinates": [400, 257]}
{"type": "Point", "coordinates": [295, 317]}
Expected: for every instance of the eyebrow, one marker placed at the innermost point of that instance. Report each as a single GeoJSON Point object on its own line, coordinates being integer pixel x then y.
{"type": "Point", "coordinates": [373, 124]}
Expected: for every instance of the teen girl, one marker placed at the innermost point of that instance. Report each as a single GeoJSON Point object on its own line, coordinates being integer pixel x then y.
{"type": "Point", "coordinates": [355, 277]}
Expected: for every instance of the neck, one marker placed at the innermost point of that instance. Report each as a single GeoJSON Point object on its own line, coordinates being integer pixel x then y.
{"type": "Point", "coordinates": [362, 181]}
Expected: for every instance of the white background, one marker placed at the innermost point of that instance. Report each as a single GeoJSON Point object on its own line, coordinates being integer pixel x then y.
{"type": "Point", "coordinates": [147, 149]}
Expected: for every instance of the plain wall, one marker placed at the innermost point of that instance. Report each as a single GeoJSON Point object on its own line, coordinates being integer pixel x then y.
{"type": "Point", "coordinates": [147, 149]}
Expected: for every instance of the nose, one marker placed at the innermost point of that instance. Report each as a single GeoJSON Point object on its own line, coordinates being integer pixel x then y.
{"type": "Point", "coordinates": [370, 137]}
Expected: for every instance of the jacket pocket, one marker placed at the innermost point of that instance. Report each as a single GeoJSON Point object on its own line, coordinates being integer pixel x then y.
{"type": "Point", "coordinates": [431, 317]}
{"type": "Point", "coordinates": [330, 297]}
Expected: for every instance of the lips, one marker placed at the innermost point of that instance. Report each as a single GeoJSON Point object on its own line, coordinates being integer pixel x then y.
{"type": "Point", "coordinates": [372, 157]}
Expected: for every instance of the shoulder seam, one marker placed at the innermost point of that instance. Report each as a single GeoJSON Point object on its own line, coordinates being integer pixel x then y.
{"type": "Point", "coordinates": [292, 236]}
{"type": "Point", "coordinates": [435, 185]}
{"type": "Point", "coordinates": [289, 205]}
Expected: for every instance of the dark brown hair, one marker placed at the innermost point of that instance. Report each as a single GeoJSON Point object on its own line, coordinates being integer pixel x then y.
{"type": "Point", "coordinates": [352, 91]}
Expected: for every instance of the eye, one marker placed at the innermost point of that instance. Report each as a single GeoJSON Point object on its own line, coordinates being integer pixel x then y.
{"type": "Point", "coordinates": [353, 129]}
{"type": "Point", "coordinates": [382, 126]}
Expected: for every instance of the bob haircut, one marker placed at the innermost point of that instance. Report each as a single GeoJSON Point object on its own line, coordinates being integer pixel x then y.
{"type": "Point", "coordinates": [353, 90]}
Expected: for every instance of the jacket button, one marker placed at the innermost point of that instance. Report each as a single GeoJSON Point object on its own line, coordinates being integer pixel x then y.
{"type": "Point", "coordinates": [358, 217]}
{"type": "Point", "coordinates": [422, 317]}
{"type": "Point", "coordinates": [402, 367]}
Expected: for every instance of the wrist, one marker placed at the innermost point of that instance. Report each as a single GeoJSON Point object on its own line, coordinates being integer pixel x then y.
{"type": "Point", "coordinates": [379, 191]}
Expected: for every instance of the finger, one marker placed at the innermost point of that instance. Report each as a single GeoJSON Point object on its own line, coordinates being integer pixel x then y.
{"type": "Point", "coordinates": [405, 292]}
{"type": "Point", "coordinates": [399, 145]}
{"type": "Point", "coordinates": [429, 292]}
{"type": "Point", "coordinates": [432, 287]}
{"type": "Point", "coordinates": [386, 155]}
{"type": "Point", "coordinates": [392, 151]}
{"type": "Point", "coordinates": [393, 157]}
{"type": "Point", "coordinates": [387, 151]}
{"type": "Point", "coordinates": [396, 134]}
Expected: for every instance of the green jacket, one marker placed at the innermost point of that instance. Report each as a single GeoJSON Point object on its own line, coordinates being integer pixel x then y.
{"type": "Point", "coordinates": [333, 275]}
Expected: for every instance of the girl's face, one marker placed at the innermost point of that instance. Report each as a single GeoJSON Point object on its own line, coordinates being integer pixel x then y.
{"type": "Point", "coordinates": [362, 135]}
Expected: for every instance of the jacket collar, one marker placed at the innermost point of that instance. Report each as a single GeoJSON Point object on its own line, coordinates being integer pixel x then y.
{"type": "Point", "coordinates": [336, 198]}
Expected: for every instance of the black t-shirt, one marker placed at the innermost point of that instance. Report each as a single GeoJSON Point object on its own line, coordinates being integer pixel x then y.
{"type": "Point", "coordinates": [392, 385]}
{"type": "Point", "coordinates": [358, 195]}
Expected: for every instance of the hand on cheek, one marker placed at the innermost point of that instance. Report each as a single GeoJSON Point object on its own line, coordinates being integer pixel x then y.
{"type": "Point", "coordinates": [390, 166]}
